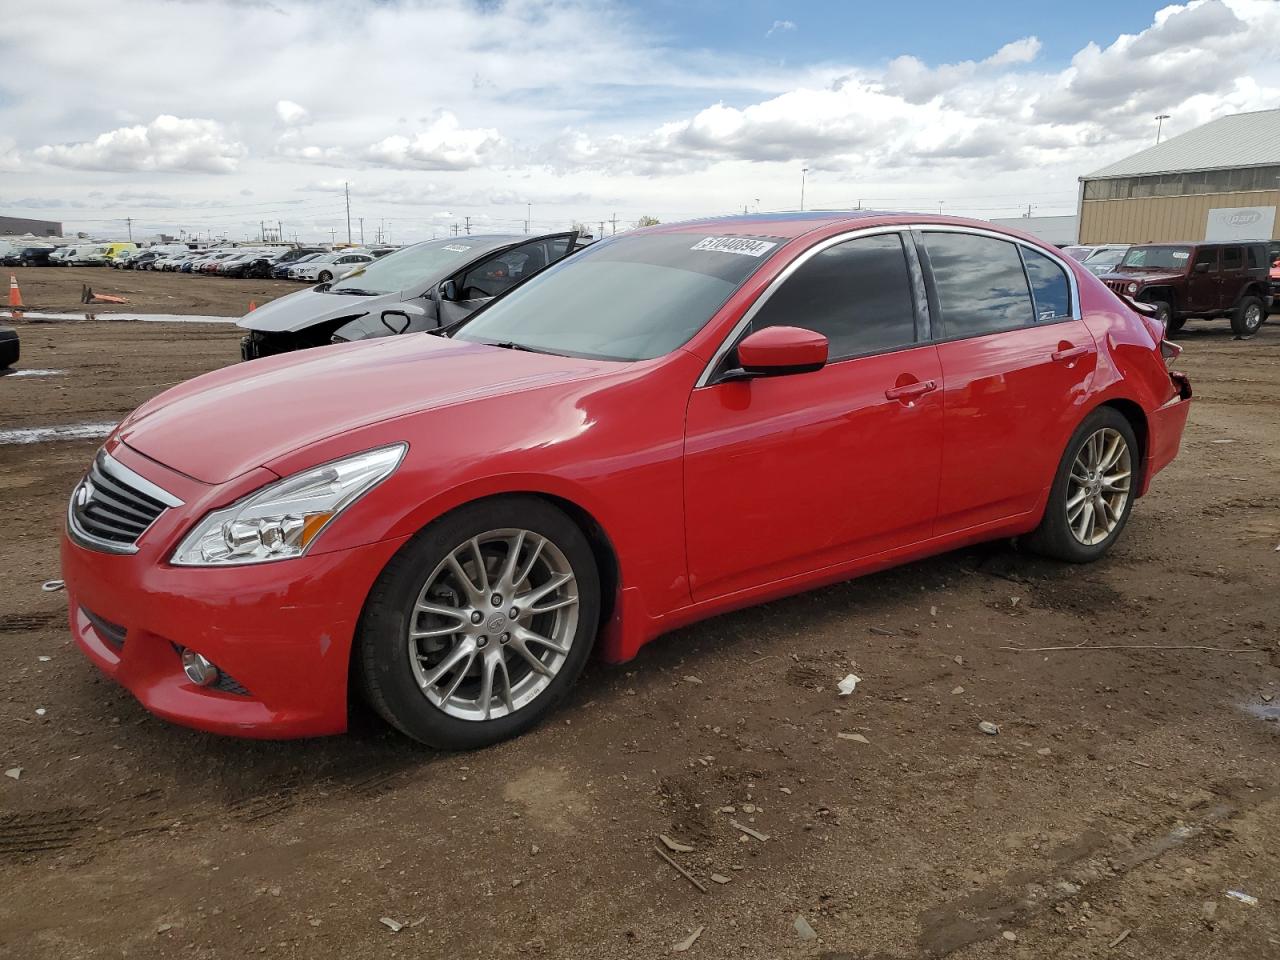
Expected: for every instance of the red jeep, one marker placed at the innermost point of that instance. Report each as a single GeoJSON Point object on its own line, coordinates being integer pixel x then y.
{"type": "Point", "coordinates": [1198, 280]}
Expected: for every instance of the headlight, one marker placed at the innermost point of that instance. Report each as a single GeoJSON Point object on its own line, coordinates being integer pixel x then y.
{"type": "Point", "coordinates": [281, 520]}
{"type": "Point", "coordinates": [1132, 288]}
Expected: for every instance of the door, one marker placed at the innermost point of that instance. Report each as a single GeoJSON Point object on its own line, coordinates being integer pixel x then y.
{"type": "Point", "coordinates": [1234, 277]}
{"type": "Point", "coordinates": [788, 475]}
{"type": "Point", "coordinates": [1204, 281]}
{"type": "Point", "coordinates": [498, 273]}
{"type": "Point", "coordinates": [1016, 364]}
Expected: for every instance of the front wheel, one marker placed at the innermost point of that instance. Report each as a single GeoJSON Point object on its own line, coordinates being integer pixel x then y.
{"type": "Point", "coordinates": [1093, 490]}
{"type": "Point", "coordinates": [479, 626]}
{"type": "Point", "coordinates": [1164, 313]}
{"type": "Point", "coordinates": [325, 276]}
{"type": "Point", "coordinates": [1247, 317]}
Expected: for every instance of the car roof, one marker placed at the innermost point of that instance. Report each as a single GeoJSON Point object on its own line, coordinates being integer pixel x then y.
{"type": "Point", "coordinates": [791, 224]}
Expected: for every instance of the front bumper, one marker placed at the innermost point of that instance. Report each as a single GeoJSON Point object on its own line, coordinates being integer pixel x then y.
{"type": "Point", "coordinates": [283, 631]}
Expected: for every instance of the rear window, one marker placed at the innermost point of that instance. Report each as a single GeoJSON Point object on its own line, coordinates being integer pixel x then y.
{"type": "Point", "coordinates": [981, 285]}
{"type": "Point", "coordinates": [1049, 287]}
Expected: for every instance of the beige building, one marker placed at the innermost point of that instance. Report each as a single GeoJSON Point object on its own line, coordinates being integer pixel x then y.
{"type": "Point", "coordinates": [1220, 181]}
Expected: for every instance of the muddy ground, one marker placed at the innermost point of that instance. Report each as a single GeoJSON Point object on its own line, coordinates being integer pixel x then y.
{"type": "Point", "coordinates": [1127, 792]}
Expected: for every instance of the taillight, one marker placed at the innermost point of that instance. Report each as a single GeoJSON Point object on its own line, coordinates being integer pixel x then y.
{"type": "Point", "coordinates": [1170, 352]}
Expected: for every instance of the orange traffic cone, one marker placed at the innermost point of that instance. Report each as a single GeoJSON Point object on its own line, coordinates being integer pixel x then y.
{"type": "Point", "coordinates": [15, 295]}
{"type": "Point", "coordinates": [253, 305]}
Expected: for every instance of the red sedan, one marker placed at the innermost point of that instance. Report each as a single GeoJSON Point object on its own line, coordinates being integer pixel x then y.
{"type": "Point", "coordinates": [670, 424]}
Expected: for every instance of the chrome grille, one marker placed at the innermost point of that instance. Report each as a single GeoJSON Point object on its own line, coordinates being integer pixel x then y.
{"type": "Point", "coordinates": [113, 506]}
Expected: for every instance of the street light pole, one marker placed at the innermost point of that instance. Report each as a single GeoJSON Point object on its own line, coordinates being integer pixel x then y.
{"type": "Point", "coordinates": [1160, 119]}
{"type": "Point", "coordinates": [803, 172]}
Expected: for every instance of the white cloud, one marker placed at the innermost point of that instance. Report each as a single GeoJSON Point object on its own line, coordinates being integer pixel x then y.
{"type": "Point", "coordinates": [292, 114]}
{"type": "Point", "coordinates": [781, 26]}
{"type": "Point", "coordinates": [10, 159]}
{"type": "Point", "coordinates": [443, 145]}
{"type": "Point", "coordinates": [167, 143]}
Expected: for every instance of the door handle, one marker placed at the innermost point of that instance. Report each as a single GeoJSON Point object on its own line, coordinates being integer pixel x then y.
{"type": "Point", "coordinates": [909, 391]}
{"type": "Point", "coordinates": [1070, 353]}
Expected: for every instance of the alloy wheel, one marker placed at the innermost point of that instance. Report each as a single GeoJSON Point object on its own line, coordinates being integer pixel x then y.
{"type": "Point", "coordinates": [493, 624]}
{"type": "Point", "coordinates": [1098, 488]}
{"type": "Point", "coordinates": [1253, 317]}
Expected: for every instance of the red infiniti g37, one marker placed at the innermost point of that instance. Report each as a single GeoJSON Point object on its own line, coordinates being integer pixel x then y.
{"type": "Point", "coordinates": [670, 424]}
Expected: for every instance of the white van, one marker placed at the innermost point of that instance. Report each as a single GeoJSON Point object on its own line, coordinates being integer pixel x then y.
{"type": "Point", "coordinates": [87, 255]}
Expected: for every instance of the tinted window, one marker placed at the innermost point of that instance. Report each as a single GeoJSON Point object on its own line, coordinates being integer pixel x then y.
{"type": "Point", "coordinates": [1049, 287]}
{"type": "Point", "coordinates": [1232, 258]}
{"type": "Point", "coordinates": [980, 283]}
{"type": "Point", "coordinates": [1255, 257]}
{"type": "Point", "coordinates": [630, 297]}
{"type": "Point", "coordinates": [857, 294]}
{"type": "Point", "coordinates": [1209, 256]}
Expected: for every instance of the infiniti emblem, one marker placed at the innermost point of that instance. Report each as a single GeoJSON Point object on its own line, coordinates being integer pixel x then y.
{"type": "Point", "coordinates": [497, 622]}
{"type": "Point", "coordinates": [85, 493]}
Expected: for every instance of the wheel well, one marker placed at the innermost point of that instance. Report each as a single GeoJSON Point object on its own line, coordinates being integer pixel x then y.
{"type": "Point", "coordinates": [1137, 420]}
{"type": "Point", "coordinates": [601, 548]}
{"type": "Point", "coordinates": [1161, 293]}
{"type": "Point", "coordinates": [1254, 290]}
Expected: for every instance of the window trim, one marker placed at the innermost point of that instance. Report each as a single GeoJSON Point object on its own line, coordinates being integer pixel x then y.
{"type": "Point", "coordinates": [928, 334]}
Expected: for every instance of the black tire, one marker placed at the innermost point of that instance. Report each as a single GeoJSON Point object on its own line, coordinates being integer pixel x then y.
{"type": "Point", "coordinates": [1164, 313]}
{"type": "Point", "coordinates": [1248, 316]}
{"type": "Point", "coordinates": [325, 276]}
{"type": "Point", "coordinates": [1053, 537]}
{"type": "Point", "coordinates": [381, 660]}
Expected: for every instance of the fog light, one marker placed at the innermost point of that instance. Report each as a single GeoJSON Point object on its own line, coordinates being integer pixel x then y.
{"type": "Point", "coordinates": [198, 669]}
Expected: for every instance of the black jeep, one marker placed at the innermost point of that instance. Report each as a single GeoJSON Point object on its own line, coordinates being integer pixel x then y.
{"type": "Point", "coordinates": [1198, 280]}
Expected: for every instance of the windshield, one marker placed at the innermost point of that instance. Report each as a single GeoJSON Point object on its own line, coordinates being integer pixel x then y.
{"type": "Point", "coordinates": [630, 298]}
{"type": "Point", "coordinates": [410, 268]}
{"type": "Point", "coordinates": [1105, 258]}
{"type": "Point", "coordinates": [1156, 258]}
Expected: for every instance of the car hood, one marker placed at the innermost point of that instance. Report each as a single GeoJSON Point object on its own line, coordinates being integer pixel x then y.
{"type": "Point", "coordinates": [1142, 276]}
{"type": "Point", "coordinates": [306, 308]}
{"type": "Point", "coordinates": [223, 424]}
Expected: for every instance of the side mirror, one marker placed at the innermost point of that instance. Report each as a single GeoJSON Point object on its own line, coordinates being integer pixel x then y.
{"type": "Point", "coordinates": [449, 290]}
{"type": "Point", "coordinates": [1201, 268]}
{"type": "Point", "coordinates": [778, 351]}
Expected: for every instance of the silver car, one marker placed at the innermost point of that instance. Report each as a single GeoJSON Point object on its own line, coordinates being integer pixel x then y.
{"type": "Point", "coordinates": [422, 287]}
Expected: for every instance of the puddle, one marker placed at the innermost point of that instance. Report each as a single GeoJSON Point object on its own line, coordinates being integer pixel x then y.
{"type": "Point", "coordinates": [9, 372]}
{"type": "Point", "coordinates": [32, 316]}
{"type": "Point", "coordinates": [1263, 711]}
{"type": "Point", "coordinates": [69, 431]}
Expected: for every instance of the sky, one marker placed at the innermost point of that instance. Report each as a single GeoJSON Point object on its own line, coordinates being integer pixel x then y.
{"type": "Point", "coordinates": [215, 116]}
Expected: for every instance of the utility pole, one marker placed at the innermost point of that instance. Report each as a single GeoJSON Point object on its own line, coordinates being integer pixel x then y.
{"type": "Point", "coordinates": [614, 221]}
{"type": "Point", "coordinates": [129, 223]}
{"type": "Point", "coordinates": [1160, 119]}
{"type": "Point", "coordinates": [262, 230]}
{"type": "Point", "coordinates": [528, 215]}
{"type": "Point", "coordinates": [601, 233]}
{"type": "Point", "coordinates": [333, 236]}
{"type": "Point", "coordinates": [280, 231]}
{"type": "Point", "coordinates": [803, 173]}
{"type": "Point", "coordinates": [362, 231]}
{"type": "Point", "coordinates": [455, 228]}
{"type": "Point", "coordinates": [468, 219]}
{"type": "Point", "coordinates": [346, 189]}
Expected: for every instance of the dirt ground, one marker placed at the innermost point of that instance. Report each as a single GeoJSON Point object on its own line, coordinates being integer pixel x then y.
{"type": "Point", "coordinates": [58, 289]}
{"type": "Point", "coordinates": [1128, 790]}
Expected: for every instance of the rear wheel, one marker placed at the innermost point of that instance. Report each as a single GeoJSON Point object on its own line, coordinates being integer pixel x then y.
{"type": "Point", "coordinates": [1248, 317]}
{"type": "Point", "coordinates": [479, 626]}
{"type": "Point", "coordinates": [1093, 491]}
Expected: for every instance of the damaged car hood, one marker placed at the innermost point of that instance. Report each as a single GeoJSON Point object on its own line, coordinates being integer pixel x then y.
{"type": "Point", "coordinates": [225, 423]}
{"type": "Point", "coordinates": [306, 308]}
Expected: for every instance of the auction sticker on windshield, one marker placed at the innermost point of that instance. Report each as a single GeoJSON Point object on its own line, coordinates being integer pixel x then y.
{"type": "Point", "coordinates": [740, 245]}
{"type": "Point", "coordinates": [457, 247]}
